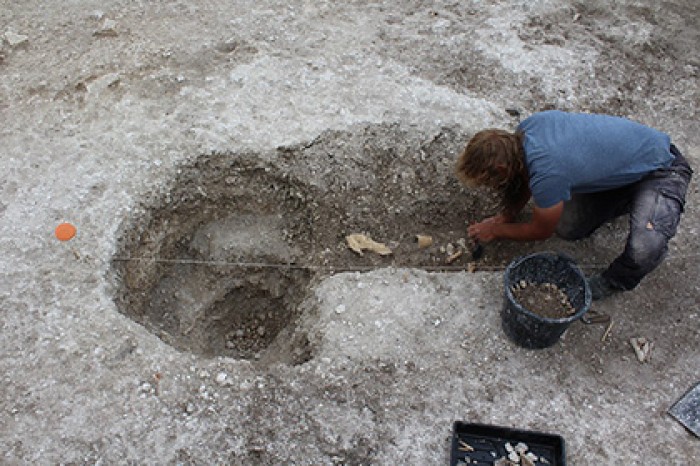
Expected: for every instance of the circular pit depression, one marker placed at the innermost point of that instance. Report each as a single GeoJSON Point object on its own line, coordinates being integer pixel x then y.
{"type": "Point", "coordinates": [223, 263]}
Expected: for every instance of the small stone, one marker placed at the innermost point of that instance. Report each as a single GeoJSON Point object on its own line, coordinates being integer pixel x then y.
{"type": "Point", "coordinates": [261, 331]}
{"type": "Point", "coordinates": [514, 112]}
{"type": "Point", "coordinates": [221, 378]}
{"type": "Point", "coordinates": [245, 385]}
{"type": "Point", "coordinates": [189, 409]}
{"type": "Point", "coordinates": [521, 447]}
{"type": "Point", "coordinates": [340, 309]}
{"type": "Point", "coordinates": [16, 40]}
{"type": "Point", "coordinates": [108, 28]}
{"type": "Point", "coordinates": [522, 284]}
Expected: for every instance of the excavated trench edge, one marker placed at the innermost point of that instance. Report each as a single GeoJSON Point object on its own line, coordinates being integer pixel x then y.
{"type": "Point", "coordinates": [290, 206]}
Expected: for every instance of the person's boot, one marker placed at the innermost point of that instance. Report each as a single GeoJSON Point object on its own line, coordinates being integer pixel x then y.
{"type": "Point", "coordinates": [601, 287]}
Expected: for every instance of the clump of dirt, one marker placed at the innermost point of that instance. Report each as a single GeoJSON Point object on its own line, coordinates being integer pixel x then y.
{"type": "Point", "coordinates": [544, 299]}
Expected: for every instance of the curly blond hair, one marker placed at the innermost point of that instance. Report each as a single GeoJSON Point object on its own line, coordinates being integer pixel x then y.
{"type": "Point", "coordinates": [495, 158]}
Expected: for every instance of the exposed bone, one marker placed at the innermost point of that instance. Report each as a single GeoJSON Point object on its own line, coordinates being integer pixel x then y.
{"type": "Point", "coordinates": [358, 243]}
{"type": "Point", "coordinates": [607, 331]}
{"type": "Point", "coordinates": [525, 460]}
{"type": "Point", "coordinates": [504, 462]}
{"type": "Point", "coordinates": [637, 347]}
{"type": "Point", "coordinates": [454, 257]}
{"type": "Point", "coordinates": [521, 447]}
{"type": "Point", "coordinates": [424, 241]}
{"type": "Point", "coordinates": [464, 446]}
{"type": "Point", "coordinates": [642, 348]}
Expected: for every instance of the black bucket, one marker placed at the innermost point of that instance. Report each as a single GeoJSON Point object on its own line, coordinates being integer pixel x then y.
{"type": "Point", "coordinates": [527, 328]}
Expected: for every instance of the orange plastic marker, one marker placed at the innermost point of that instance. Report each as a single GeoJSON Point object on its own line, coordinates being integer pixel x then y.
{"type": "Point", "coordinates": [65, 231]}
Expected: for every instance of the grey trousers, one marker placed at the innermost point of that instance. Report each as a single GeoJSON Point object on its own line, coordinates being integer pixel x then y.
{"type": "Point", "coordinates": [655, 204]}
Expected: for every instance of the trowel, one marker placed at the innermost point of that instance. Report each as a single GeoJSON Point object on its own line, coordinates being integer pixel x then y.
{"type": "Point", "coordinates": [687, 410]}
{"type": "Point", "coordinates": [477, 250]}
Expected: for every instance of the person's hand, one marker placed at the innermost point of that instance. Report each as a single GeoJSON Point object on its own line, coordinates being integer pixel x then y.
{"type": "Point", "coordinates": [483, 232]}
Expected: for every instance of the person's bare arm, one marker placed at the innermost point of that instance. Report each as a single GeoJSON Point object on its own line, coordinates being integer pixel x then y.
{"type": "Point", "coordinates": [542, 225]}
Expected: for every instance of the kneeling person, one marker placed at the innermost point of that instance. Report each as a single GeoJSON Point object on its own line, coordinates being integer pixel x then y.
{"type": "Point", "coordinates": [582, 170]}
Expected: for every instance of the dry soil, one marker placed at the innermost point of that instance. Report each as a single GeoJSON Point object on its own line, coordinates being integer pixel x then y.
{"type": "Point", "coordinates": [213, 156]}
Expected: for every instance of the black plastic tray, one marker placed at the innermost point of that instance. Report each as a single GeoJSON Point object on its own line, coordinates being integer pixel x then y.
{"type": "Point", "coordinates": [687, 410]}
{"type": "Point", "coordinates": [489, 443]}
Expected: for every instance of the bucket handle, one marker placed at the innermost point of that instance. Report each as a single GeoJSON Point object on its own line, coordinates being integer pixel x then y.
{"type": "Point", "coordinates": [595, 317]}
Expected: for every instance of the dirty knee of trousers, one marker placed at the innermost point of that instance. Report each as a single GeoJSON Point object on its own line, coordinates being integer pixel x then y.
{"type": "Point", "coordinates": [647, 251]}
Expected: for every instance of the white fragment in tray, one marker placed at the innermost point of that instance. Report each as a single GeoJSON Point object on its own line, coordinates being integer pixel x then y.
{"type": "Point", "coordinates": [521, 448]}
{"type": "Point", "coordinates": [525, 460]}
{"type": "Point", "coordinates": [464, 446]}
{"type": "Point", "coordinates": [519, 455]}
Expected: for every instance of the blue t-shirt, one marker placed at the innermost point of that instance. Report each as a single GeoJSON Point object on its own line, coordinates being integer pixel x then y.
{"type": "Point", "coordinates": [583, 153]}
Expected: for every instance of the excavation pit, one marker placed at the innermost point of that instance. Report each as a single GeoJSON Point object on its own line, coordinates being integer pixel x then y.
{"type": "Point", "coordinates": [228, 312]}
{"type": "Point", "coordinates": [223, 263]}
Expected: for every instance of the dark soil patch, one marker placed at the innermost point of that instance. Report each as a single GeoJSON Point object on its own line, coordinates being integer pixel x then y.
{"type": "Point", "coordinates": [544, 299]}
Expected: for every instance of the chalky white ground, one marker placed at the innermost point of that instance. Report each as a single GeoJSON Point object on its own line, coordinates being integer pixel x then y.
{"type": "Point", "coordinates": [96, 125]}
